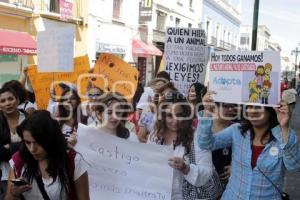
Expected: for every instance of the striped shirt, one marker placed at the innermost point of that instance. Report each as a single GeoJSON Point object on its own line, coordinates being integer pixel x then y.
{"type": "Point", "coordinates": [246, 183]}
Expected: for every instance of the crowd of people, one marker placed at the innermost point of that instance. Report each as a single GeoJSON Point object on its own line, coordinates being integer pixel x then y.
{"type": "Point", "coordinates": [221, 150]}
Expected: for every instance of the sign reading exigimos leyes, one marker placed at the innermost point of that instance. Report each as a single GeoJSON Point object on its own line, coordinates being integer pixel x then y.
{"type": "Point", "coordinates": [185, 56]}
{"type": "Point", "coordinates": [248, 77]}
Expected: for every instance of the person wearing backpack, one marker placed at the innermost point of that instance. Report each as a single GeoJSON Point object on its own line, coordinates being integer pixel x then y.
{"type": "Point", "coordinates": [10, 118]}
{"type": "Point", "coordinates": [49, 169]}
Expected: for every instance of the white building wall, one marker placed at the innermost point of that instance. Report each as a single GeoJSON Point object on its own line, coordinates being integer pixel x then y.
{"type": "Point", "coordinates": [112, 33]}
{"type": "Point", "coordinates": [222, 19]}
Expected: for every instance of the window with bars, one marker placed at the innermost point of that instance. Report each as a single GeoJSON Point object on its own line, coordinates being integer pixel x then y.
{"type": "Point", "coordinates": [54, 6]}
{"type": "Point", "coordinates": [177, 22]}
{"type": "Point", "coordinates": [161, 21]}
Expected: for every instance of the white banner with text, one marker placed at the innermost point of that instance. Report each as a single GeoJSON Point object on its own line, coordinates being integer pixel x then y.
{"type": "Point", "coordinates": [120, 169]}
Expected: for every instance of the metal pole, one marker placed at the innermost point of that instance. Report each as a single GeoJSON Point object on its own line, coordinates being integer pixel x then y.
{"type": "Point", "coordinates": [254, 25]}
{"type": "Point", "coordinates": [296, 52]}
{"type": "Point", "coordinates": [296, 55]}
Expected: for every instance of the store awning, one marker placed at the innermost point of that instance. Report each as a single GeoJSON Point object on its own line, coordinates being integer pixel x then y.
{"type": "Point", "coordinates": [12, 42]}
{"type": "Point", "coordinates": [141, 48]}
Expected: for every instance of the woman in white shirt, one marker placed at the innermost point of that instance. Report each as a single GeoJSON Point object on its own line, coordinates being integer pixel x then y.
{"type": "Point", "coordinates": [49, 170]}
{"type": "Point", "coordinates": [192, 167]}
{"type": "Point", "coordinates": [112, 111]}
{"type": "Point", "coordinates": [69, 114]}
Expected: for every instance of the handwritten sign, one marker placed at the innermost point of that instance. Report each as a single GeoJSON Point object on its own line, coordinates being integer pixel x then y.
{"type": "Point", "coordinates": [41, 82]}
{"type": "Point", "coordinates": [246, 77]}
{"type": "Point", "coordinates": [55, 50]}
{"type": "Point", "coordinates": [117, 75]}
{"type": "Point", "coordinates": [185, 56]}
{"type": "Point", "coordinates": [120, 169]}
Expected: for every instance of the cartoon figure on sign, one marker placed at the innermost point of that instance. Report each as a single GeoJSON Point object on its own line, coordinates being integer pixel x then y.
{"type": "Point", "coordinates": [268, 70]}
{"type": "Point", "coordinates": [259, 73]}
{"type": "Point", "coordinates": [265, 93]}
{"type": "Point", "coordinates": [253, 91]}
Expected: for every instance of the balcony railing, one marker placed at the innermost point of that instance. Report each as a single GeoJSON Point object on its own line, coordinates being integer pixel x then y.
{"type": "Point", "coordinates": [225, 45]}
{"type": "Point", "coordinates": [233, 47]}
{"type": "Point", "coordinates": [51, 6]}
{"type": "Point", "coordinates": [212, 41]}
{"type": "Point", "coordinates": [20, 3]}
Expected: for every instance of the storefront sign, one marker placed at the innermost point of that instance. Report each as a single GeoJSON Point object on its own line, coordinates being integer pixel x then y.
{"type": "Point", "coordinates": [145, 13]}
{"type": "Point", "coordinates": [110, 48]}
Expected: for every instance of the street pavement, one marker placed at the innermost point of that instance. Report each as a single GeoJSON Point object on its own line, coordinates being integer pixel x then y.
{"type": "Point", "coordinates": [292, 179]}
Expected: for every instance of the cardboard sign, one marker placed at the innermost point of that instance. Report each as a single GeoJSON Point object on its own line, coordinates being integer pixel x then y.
{"type": "Point", "coordinates": [41, 82]}
{"type": "Point", "coordinates": [186, 56]}
{"type": "Point", "coordinates": [115, 75]}
{"type": "Point", "coordinates": [120, 169]}
{"type": "Point", "coordinates": [246, 77]}
{"type": "Point", "coordinates": [55, 49]}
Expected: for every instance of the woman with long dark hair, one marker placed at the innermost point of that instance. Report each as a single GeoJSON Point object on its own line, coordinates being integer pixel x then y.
{"type": "Point", "coordinates": [195, 94]}
{"type": "Point", "coordinates": [24, 104]}
{"type": "Point", "coordinates": [193, 169]}
{"type": "Point", "coordinates": [69, 114]}
{"type": "Point", "coordinates": [263, 148]}
{"type": "Point", "coordinates": [10, 118]}
{"type": "Point", "coordinates": [112, 115]}
{"type": "Point", "coordinates": [45, 163]}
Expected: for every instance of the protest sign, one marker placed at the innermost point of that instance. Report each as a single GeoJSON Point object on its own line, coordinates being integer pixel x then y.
{"type": "Point", "coordinates": [120, 169]}
{"type": "Point", "coordinates": [246, 77]}
{"type": "Point", "coordinates": [55, 50]}
{"type": "Point", "coordinates": [117, 75]}
{"type": "Point", "coordinates": [185, 56]}
{"type": "Point", "coordinates": [41, 82]}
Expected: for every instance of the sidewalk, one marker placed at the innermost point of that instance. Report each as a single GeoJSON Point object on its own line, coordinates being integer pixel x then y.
{"type": "Point", "coordinates": [292, 179]}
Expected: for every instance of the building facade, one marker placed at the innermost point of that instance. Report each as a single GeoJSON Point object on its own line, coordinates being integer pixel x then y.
{"type": "Point", "coordinates": [263, 38]}
{"type": "Point", "coordinates": [221, 20]}
{"type": "Point", "coordinates": [25, 18]}
{"type": "Point", "coordinates": [116, 30]}
{"type": "Point", "coordinates": [176, 13]}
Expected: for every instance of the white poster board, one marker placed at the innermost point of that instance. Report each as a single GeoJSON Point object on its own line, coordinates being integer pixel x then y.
{"type": "Point", "coordinates": [186, 55]}
{"type": "Point", "coordinates": [120, 169]}
{"type": "Point", "coordinates": [246, 77]}
{"type": "Point", "coordinates": [55, 50]}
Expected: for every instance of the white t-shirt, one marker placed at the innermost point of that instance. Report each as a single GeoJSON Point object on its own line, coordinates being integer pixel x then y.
{"type": "Point", "coordinates": [25, 105]}
{"type": "Point", "coordinates": [54, 189]}
{"type": "Point", "coordinates": [67, 130]}
{"type": "Point", "coordinates": [143, 102]}
{"type": "Point", "coordinates": [147, 120]}
{"type": "Point", "coordinates": [199, 173]}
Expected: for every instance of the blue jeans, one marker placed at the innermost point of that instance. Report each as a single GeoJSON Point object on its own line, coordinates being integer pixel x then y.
{"type": "Point", "coordinates": [298, 90]}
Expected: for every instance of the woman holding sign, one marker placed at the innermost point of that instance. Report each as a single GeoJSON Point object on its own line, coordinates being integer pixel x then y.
{"type": "Point", "coordinates": [263, 148]}
{"type": "Point", "coordinates": [193, 168]}
{"type": "Point", "coordinates": [44, 168]}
